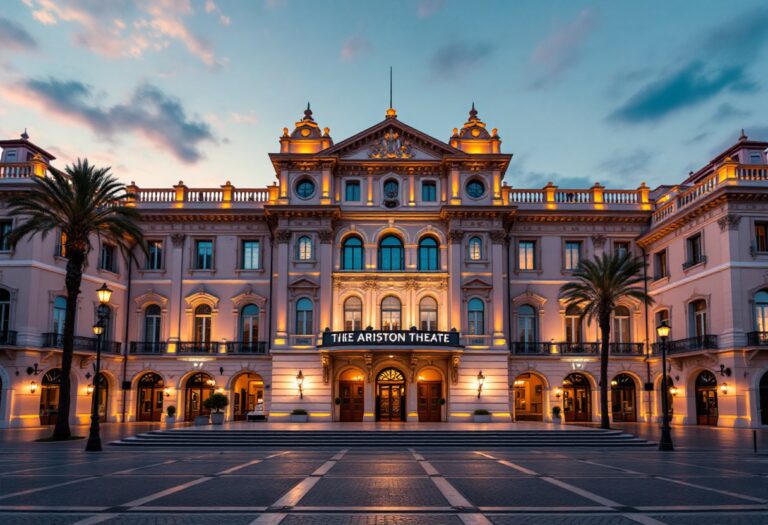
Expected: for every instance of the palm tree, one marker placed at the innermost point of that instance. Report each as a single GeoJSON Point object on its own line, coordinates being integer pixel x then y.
{"type": "Point", "coordinates": [598, 287]}
{"type": "Point", "coordinates": [83, 202]}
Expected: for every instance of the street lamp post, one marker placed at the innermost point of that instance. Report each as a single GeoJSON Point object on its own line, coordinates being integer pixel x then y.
{"type": "Point", "coordinates": [665, 443]}
{"type": "Point", "coordinates": [94, 438]}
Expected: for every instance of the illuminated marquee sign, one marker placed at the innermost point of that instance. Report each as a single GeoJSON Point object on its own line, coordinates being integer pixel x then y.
{"type": "Point", "coordinates": [395, 338]}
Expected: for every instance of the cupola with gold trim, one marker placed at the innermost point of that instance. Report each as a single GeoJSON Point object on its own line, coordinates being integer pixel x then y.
{"type": "Point", "coordinates": [474, 138]}
{"type": "Point", "coordinates": [306, 136]}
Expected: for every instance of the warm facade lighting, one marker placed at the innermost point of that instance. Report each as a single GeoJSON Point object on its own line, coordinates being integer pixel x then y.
{"type": "Point", "coordinates": [167, 391]}
{"type": "Point", "coordinates": [97, 329]}
{"type": "Point", "coordinates": [663, 330]}
{"type": "Point", "coordinates": [89, 389]}
{"type": "Point", "coordinates": [300, 384]}
{"type": "Point", "coordinates": [104, 294]}
{"type": "Point", "coordinates": [480, 382]}
{"type": "Point", "coordinates": [558, 392]}
{"type": "Point", "coordinates": [673, 390]}
{"type": "Point", "coordinates": [724, 388]}
{"type": "Point", "coordinates": [32, 387]}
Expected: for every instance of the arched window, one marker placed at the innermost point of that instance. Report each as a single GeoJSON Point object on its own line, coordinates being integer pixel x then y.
{"type": "Point", "coordinates": [476, 317]}
{"type": "Point", "coordinates": [429, 254]}
{"type": "Point", "coordinates": [428, 314]}
{"type": "Point", "coordinates": [152, 326]}
{"type": "Point", "coordinates": [698, 318]}
{"type": "Point", "coordinates": [353, 314]}
{"type": "Point", "coordinates": [573, 325]}
{"type": "Point", "coordinates": [203, 324]}
{"type": "Point", "coordinates": [5, 313]}
{"type": "Point", "coordinates": [249, 324]}
{"type": "Point", "coordinates": [304, 248]}
{"type": "Point", "coordinates": [526, 324]}
{"type": "Point", "coordinates": [304, 310]}
{"type": "Point", "coordinates": [475, 248]}
{"type": "Point", "coordinates": [621, 324]}
{"type": "Point", "coordinates": [59, 314]}
{"type": "Point", "coordinates": [390, 314]}
{"type": "Point", "coordinates": [761, 316]}
{"type": "Point", "coordinates": [391, 254]}
{"type": "Point", "coordinates": [352, 254]}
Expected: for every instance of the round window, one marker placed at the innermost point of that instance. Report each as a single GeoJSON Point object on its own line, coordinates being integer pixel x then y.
{"type": "Point", "coordinates": [475, 189]}
{"type": "Point", "coordinates": [305, 188]}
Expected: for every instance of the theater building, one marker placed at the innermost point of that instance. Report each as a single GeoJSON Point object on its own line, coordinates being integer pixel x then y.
{"type": "Point", "coordinates": [393, 276]}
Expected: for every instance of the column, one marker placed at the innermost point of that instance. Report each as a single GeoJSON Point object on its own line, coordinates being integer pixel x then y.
{"type": "Point", "coordinates": [498, 242]}
{"type": "Point", "coordinates": [280, 278]}
{"type": "Point", "coordinates": [455, 237]}
{"type": "Point", "coordinates": [326, 286]}
{"type": "Point", "coordinates": [175, 303]}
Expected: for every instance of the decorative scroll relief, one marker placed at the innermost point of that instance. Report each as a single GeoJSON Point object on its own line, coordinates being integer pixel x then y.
{"type": "Point", "coordinates": [391, 146]}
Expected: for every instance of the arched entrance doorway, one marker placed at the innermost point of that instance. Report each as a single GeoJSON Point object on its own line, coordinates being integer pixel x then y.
{"type": "Point", "coordinates": [429, 392]}
{"type": "Point", "coordinates": [103, 402]}
{"type": "Point", "coordinates": [248, 397]}
{"type": "Point", "coordinates": [196, 390]}
{"type": "Point", "coordinates": [49, 396]}
{"type": "Point", "coordinates": [351, 398]}
{"type": "Point", "coordinates": [624, 398]}
{"type": "Point", "coordinates": [529, 397]}
{"type": "Point", "coordinates": [706, 399]}
{"type": "Point", "coordinates": [149, 404]}
{"type": "Point", "coordinates": [764, 399]}
{"type": "Point", "coordinates": [577, 398]}
{"type": "Point", "coordinates": [390, 395]}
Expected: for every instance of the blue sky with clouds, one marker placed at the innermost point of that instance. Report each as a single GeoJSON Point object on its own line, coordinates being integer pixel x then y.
{"type": "Point", "coordinates": [199, 90]}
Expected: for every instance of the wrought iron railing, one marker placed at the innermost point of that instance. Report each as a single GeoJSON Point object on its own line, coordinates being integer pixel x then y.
{"type": "Point", "coordinates": [691, 344]}
{"type": "Point", "coordinates": [694, 261]}
{"type": "Point", "coordinates": [247, 347]}
{"type": "Point", "coordinates": [197, 347]}
{"type": "Point", "coordinates": [578, 348]}
{"type": "Point", "coordinates": [626, 348]}
{"type": "Point", "coordinates": [81, 344]}
{"type": "Point", "coordinates": [757, 339]}
{"type": "Point", "coordinates": [531, 348]}
{"type": "Point", "coordinates": [148, 347]}
{"type": "Point", "coordinates": [8, 338]}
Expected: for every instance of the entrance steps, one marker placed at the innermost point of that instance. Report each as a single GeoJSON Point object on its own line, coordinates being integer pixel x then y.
{"type": "Point", "coordinates": [384, 438]}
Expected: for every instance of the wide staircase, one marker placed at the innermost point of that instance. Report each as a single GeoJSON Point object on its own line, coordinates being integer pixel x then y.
{"type": "Point", "coordinates": [383, 438]}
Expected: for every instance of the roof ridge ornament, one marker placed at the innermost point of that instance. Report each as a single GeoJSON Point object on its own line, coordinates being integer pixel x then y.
{"type": "Point", "coordinates": [25, 135]}
{"type": "Point", "coordinates": [391, 112]}
{"type": "Point", "coordinates": [743, 136]}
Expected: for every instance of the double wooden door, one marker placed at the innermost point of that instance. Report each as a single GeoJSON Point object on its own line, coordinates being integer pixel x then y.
{"type": "Point", "coordinates": [352, 400]}
{"type": "Point", "coordinates": [429, 395]}
{"type": "Point", "coordinates": [706, 406]}
{"type": "Point", "coordinates": [576, 404]}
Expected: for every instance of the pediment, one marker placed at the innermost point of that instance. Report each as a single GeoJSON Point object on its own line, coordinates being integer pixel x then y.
{"type": "Point", "coordinates": [392, 140]}
{"type": "Point", "coordinates": [303, 283]}
{"type": "Point", "coordinates": [477, 284]}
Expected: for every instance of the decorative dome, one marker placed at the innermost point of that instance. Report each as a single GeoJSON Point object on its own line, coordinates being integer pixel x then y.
{"type": "Point", "coordinates": [473, 137]}
{"type": "Point", "coordinates": [306, 136]}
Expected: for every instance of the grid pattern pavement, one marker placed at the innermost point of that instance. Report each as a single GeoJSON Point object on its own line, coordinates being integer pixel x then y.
{"type": "Point", "coordinates": [50, 484]}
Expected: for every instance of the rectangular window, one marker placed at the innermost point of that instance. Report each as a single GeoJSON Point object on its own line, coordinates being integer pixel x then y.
{"type": "Point", "coordinates": [352, 191]}
{"type": "Point", "coordinates": [572, 254]}
{"type": "Point", "coordinates": [154, 255]}
{"type": "Point", "coordinates": [761, 236]}
{"type": "Point", "coordinates": [621, 248]}
{"type": "Point", "coordinates": [204, 255]}
{"type": "Point", "coordinates": [660, 269]}
{"type": "Point", "coordinates": [107, 260]}
{"type": "Point", "coordinates": [60, 249]}
{"type": "Point", "coordinates": [755, 158]}
{"type": "Point", "coordinates": [695, 255]}
{"type": "Point", "coordinates": [5, 232]}
{"type": "Point", "coordinates": [428, 191]}
{"type": "Point", "coordinates": [251, 255]}
{"type": "Point", "coordinates": [526, 255]}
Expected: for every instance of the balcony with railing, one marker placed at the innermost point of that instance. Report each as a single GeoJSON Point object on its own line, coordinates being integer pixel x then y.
{"type": "Point", "coordinates": [564, 348]}
{"type": "Point", "coordinates": [597, 198]}
{"type": "Point", "coordinates": [180, 196]}
{"type": "Point", "coordinates": [757, 339]}
{"type": "Point", "coordinates": [81, 344]}
{"type": "Point", "coordinates": [690, 344]}
{"type": "Point", "coordinates": [197, 347]}
{"type": "Point", "coordinates": [148, 347]}
{"type": "Point", "coordinates": [247, 347]}
{"type": "Point", "coordinates": [8, 338]}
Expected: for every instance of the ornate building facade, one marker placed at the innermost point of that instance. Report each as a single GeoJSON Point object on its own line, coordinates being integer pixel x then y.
{"type": "Point", "coordinates": [396, 277]}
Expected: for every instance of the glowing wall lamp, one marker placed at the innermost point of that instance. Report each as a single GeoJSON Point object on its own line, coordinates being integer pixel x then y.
{"type": "Point", "coordinates": [167, 391]}
{"type": "Point", "coordinates": [673, 390]}
{"type": "Point", "coordinates": [558, 392]}
{"type": "Point", "coordinates": [480, 381]}
{"type": "Point", "coordinates": [300, 384]}
{"type": "Point", "coordinates": [724, 388]}
{"type": "Point", "coordinates": [32, 387]}
{"type": "Point", "coordinates": [89, 389]}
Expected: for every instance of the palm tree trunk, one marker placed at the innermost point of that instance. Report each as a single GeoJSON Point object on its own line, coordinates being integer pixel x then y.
{"type": "Point", "coordinates": [605, 336]}
{"type": "Point", "coordinates": [75, 260]}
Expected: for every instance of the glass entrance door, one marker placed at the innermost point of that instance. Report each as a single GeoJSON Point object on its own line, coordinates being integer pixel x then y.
{"type": "Point", "coordinates": [706, 399]}
{"type": "Point", "coordinates": [390, 395]}
{"type": "Point", "coordinates": [576, 398]}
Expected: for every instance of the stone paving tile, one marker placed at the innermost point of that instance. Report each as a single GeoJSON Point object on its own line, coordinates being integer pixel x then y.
{"type": "Point", "coordinates": [560, 519]}
{"type": "Point", "coordinates": [200, 468]}
{"type": "Point", "coordinates": [283, 468]}
{"type": "Point", "coordinates": [17, 483]}
{"type": "Point", "coordinates": [100, 492]}
{"type": "Point", "coordinates": [562, 467]}
{"type": "Point", "coordinates": [36, 518]}
{"type": "Point", "coordinates": [646, 492]}
{"type": "Point", "coordinates": [460, 455]}
{"type": "Point", "coordinates": [516, 492]}
{"type": "Point", "coordinates": [750, 486]}
{"type": "Point", "coordinates": [474, 468]}
{"type": "Point", "coordinates": [230, 491]}
{"type": "Point", "coordinates": [374, 492]}
{"type": "Point", "coordinates": [356, 454]}
{"type": "Point", "coordinates": [371, 519]}
{"type": "Point", "coordinates": [182, 519]}
{"type": "Point", "coordinates": [369, 468]}
{"type": "Point", "coordinates": [654, 468]}
{"type": "Point", "coordinates": [740, 518]}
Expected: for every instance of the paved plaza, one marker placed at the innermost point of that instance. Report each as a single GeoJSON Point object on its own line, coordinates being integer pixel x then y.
{"type": "Point", "coordinates": [700, 483]}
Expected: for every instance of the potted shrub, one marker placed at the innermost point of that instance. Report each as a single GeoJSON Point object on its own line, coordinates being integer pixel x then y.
{"type": "Point", "coordinates": [482, 416]}
{"type": "Point", "coordinates": [216, 402]}
{"type": "Point", "coordinates": [299, 415]}
{"type": "Point", "coordinates": [170, 416]}
{"type": "Point", "coordinates": [556, 415]}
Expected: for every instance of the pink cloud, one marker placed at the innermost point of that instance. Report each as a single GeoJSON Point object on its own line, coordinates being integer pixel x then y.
{"type": "Point", "coordinates": [561, 48]}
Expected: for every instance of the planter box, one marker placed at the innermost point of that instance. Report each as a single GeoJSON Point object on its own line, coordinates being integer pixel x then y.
{"type": "Point", "coordinates": [201, 421]}
{"type": "Point", "coordinates": [217, 418]}
{"type": "Point", "coordinates": [481, 418]}
{"type": "Point", "coordinates": [299, 418]}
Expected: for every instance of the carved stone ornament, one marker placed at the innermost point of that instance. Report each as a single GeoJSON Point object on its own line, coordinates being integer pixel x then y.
{"type": "Point", "coordinates": [326, 236]}
{"type": "Point", "coordinates": [455, 236]}
{"type": "Point", "coordinates": [370, 284]}
{"type": "Point", "coordinates": [729, 222]}
{"type": "Point", "coordinates": [391, 146]}
{"type": "Point", "coordinates": [283, 236]}
{"type": "Point", "coordinates": [498, 236]}
{"type": "Point", "coordinates": [325, 359]}
{"type": "Point", "coordinates": [368, 366]}
{"type": "Point", "coordinates": [455, 362]}
{"type": "Point", "coordinates": [413, 364]}
{"type": "Point", "coordinates": [178, 240]}
{"type": "Point", "coordinates": [598, 240]}
{"type": "Point", "coordinates": [411, 284]}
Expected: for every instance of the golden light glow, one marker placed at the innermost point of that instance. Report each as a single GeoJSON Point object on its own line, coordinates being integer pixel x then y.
{"type": "Point", "coordinates": [724, 388]}
{"type": "Point", "coordinates": [89, 389]}
{"type": "Point", "coordinates": [32, 387]}
{"type": "Point", "coordinates": [104, 294]}
{"type": "Point", "coordinates": [663, 330]}
{"type": "Point", "coordinates": [673, 390]}
{"type": "Point", "coordinates": [558, 392]}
